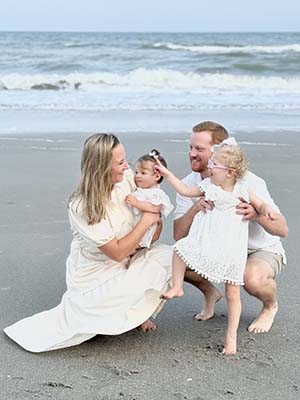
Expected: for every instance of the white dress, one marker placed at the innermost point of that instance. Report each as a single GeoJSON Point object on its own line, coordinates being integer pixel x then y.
{"type": "Point", "coordinates": [155, 196]}
{"type": "Point", "coordinates": [216, 246]}
{"type": "Point", "coordinates": [103, 296]}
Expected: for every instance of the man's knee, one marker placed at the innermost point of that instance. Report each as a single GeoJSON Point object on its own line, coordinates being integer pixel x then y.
{"type": "Point", "coordinates": [258, 273]}
{"type": "Point", "coordinates": [251, 282]}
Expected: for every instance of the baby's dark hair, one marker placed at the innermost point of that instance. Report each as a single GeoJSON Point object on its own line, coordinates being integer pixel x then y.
{"type": "Point", "coordinates": [152, 156]}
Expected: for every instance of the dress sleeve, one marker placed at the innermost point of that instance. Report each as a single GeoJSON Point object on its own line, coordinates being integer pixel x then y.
{"type": "Point", "coordinates": [204, 185]}
{"type": "Point", "coordinates": [100, 233]}
{"type": "Point", "coordinates": [160, 197]}
{"type": "Point", "coordinates": [212, 192]}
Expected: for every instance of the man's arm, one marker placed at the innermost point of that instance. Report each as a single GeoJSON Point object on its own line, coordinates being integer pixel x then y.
{"type": "Point", "coordinates": [182, 224]}
{"type": "Point", "coordinates": [276, 227]}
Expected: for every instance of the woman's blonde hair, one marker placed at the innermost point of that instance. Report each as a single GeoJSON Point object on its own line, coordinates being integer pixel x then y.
{"type": "Point", "coordinates": [233, 157]}
{"type": "Point", "coordinates": [94, 189]}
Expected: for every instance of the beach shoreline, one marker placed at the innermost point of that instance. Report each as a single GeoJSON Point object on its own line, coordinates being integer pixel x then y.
{"type": "Point", "coordinates": [181, 360]}
{"type": "Point", "coordinates": [78, 122]}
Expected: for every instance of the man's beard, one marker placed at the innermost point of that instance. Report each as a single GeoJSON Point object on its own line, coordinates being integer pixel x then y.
{"type": "Point", "coordinates": [200, 167]}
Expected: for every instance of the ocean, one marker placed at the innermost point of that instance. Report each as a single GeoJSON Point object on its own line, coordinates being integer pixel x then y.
{"type": "Point", "coordinates": [152, 76]}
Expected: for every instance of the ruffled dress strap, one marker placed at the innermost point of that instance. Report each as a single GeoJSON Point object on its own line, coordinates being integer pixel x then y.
{"type": "Point", "coordinates": [211, 191]}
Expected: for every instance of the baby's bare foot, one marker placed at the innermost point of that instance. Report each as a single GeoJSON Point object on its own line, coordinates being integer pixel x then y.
{"type": "Point", "coordinates": [148, 326]}
{"type": "Point", "coordinates": [210, 301]}
{"type": "Point", "coordinates": [174, 292]}
{"type": "Point", "coordinates": [230, 345]}
{"type": "Point", "coordinates": [264, 321]}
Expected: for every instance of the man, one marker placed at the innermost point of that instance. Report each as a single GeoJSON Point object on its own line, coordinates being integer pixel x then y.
{"type": "Point", "coordinates": [265, 252]}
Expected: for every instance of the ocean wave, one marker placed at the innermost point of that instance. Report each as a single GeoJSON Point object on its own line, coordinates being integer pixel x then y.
{"type": "Point", "coordinates": [265, 144]}
{"type": "Point", "coordinates": [82, 45]}
{"type": "Point", "coordinates": [157, 81]}
{"type": "Point", "coordinates": [58, 67]}
{"type": "Point", "coordinates": [225, 49]}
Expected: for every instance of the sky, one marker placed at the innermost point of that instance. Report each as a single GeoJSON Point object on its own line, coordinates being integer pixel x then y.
{"type": "Point", "coordinates": [151, 15]}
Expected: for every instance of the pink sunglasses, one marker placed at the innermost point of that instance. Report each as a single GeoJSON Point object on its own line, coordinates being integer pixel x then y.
{"type": "Point", "coordinates": [211, 164]}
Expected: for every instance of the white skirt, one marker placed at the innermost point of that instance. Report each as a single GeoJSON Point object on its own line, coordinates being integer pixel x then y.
{"type": "Point", "coordinates": [117, 305]}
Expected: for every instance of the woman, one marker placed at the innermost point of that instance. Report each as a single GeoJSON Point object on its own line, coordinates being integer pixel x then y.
{"type": "Point", "coordinates": [112, 287]}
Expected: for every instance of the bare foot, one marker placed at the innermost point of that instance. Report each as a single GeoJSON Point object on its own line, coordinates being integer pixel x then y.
{"type": "Point", "coordinates": [210, 301]}
{"type": "Point", "coordinates": [174, 292]}
{"type": "Point", "coordinates": [264, 321]}
{"type": "Point", "coordinates": [230, 345]}
{"type": "Point", "coordinates": [148, 326]}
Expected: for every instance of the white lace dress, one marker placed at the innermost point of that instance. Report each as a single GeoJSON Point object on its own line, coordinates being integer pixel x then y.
{"type": "Point", "coordinates": [216, 246]}
{"type": "Point", "coordinates": [155, 196]}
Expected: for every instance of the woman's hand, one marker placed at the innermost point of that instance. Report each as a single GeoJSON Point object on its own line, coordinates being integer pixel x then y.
{"type": "Point", "coordinates": [149, 218]}
{"type": "Point", "coordinates": [157, 233]}
{"type": "Point", "coordinates": [119, 249]}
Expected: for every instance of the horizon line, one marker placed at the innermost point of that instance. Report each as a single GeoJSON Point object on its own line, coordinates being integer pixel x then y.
{"type": "Point", "coordinates": [171, 31]}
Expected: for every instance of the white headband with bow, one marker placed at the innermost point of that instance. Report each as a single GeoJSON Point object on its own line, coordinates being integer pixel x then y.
{"type": "Point", "coordinates": [226, 142]}
{"type": "Point", "coordinates": [153, 154]}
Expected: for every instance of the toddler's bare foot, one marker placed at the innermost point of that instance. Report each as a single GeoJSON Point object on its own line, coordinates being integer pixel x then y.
{"type": "Point", "coordinates": [230, 345]}
{"type": "Point", "coordinates": [148, 326]}
{"type": "Point", "coordinates": [264, 321]}
{"type": "Point", "coordinates": [174, 292]}
{"type": "Point", "coordinates": [210, 300]}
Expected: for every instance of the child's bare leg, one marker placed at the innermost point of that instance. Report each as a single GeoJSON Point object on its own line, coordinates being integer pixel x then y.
{"type": "Point", "coordinates": [178, 270]}
{"type": "Point", "coordinates": [234, 312]}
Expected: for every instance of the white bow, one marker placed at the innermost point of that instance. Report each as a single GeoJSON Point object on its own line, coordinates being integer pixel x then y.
{"type": "Point", "coordinates": [230, 141]}
{"type": "Point", "coordinates": [153, 154]}
{"type": "Point", "coordinates": [226, 142]}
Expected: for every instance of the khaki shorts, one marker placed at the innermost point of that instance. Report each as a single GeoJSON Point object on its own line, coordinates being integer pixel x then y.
{"type": "Point", "coordinates": [273, 259]}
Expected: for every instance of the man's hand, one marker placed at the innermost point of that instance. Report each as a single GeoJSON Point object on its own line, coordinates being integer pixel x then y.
{"type": "Point", "coordinates": [203, 205]}
{"type": "Point", "coordinates": [131, 200]}
{"type": "Point", "coordinates": [246, 209]}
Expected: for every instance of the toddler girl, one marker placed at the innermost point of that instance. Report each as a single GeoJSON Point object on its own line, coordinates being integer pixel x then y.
{"type": "Point", "coordinates": [148, 196]}
{"type": "Point", "coordinates": [216, 246]}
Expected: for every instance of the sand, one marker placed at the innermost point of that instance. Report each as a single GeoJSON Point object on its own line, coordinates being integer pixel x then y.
{"type": "Point", "coordinates": [182, 359]}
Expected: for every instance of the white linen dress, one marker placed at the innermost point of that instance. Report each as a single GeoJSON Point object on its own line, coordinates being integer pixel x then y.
{"type": "Point", "coordinates": [155, 196]}
{"type": "Point", "coordinates": [103, 296]}
{"type": "Point", "coordinates": [216, 246]}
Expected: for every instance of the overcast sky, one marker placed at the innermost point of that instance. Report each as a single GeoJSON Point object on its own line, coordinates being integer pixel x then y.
{"type": "Point", "coordinates": [151, 15]}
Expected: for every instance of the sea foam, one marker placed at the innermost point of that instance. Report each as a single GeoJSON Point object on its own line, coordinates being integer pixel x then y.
{"type": "Point", "coordinates": [147, 80]}
{"type": "Point", "coordinates": [217, 49]}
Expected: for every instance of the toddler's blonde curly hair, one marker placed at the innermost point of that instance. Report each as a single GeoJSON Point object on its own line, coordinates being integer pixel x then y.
{"type": "Point", "coordinates": [233, 157]}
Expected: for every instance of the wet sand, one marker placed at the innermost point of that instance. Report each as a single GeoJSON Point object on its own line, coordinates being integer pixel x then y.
{"type": "Point", "coordinates": [182, 359]}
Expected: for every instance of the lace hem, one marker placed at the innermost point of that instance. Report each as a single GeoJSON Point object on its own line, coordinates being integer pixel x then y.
{"type": "Point", "coordinates": [205, 276]}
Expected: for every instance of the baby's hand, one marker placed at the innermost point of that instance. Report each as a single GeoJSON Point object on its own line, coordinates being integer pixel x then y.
{"type": "Point", "coordinates": [268, 212]}
{"type": "Point", "coordinates": [131, 200]}
{"type": "Point", "coordinates": [161, 168]}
